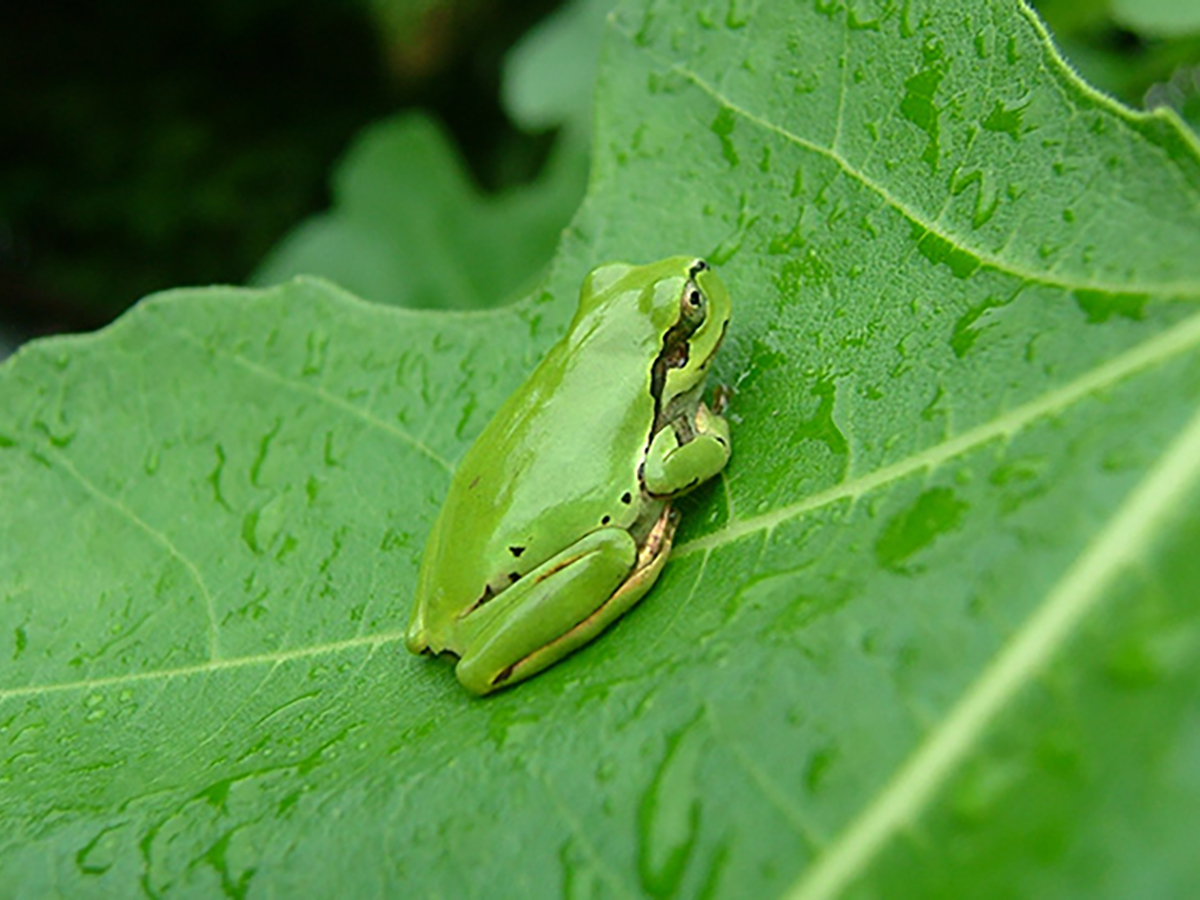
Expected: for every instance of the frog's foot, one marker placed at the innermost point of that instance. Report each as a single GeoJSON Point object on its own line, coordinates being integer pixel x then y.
{"type": "Point", "coordinates": [560, 605]}
{"type": "Point", "coordinates": [684, 454]}
{"type": "Point", "coordinates": [721, 395]}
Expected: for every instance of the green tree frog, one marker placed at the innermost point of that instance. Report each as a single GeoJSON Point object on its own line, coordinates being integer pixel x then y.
{"type": "Point", "coordinates": [559, 518]}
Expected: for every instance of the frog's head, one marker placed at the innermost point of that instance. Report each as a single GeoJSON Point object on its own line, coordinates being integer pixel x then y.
{"type": "Point", "coordinates": [675, 310]}
{"type": "Point", "coordinates": [689, 346]}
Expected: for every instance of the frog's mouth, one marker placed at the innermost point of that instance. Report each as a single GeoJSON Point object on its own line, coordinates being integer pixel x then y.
{"type": "Point", "coordinates": [675, 357]}
{"type": "Point", "coordinates": [678, 355]}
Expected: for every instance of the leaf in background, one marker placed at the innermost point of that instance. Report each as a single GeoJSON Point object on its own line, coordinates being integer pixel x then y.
{"type": "Point", "coordinates": [549, 74]}
{"type": "Point", "coordinates": [1073, 16]}
{"type": "Point", "coordinates": [1181, 93]}
{"type": "Point", "coordinates": [1113, 53]}
{"type": "Point", "coordinates": [409, 228]}
{"type": "Point", "coordinates": [1158, 18]}
{"type": "Point", "coordinates": [934, 635]}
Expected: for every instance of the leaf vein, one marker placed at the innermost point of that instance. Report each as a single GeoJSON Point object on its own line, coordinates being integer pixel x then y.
{"type": "Point", "coordinates": [1162, 347]}
{"type": "Point", "coordinates": [770, 791]}
{"type": "Point", "coordinates": [321, 394]}
{"type": "Point", "coordinates": [273, 658]}
{"type": "Point", "coordinates": [1178, 288]}
{"type": "Point", "coordinates": [1120, 543]}
{"type": "Point", "coordinates": [160, 538]}
{"type": "Point", "coordinates": [606, 871]}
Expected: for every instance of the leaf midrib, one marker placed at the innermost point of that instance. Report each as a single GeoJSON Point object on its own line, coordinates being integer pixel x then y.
{"type": "Point", "coordinates": [319, 393]}
{"type": "Point", "coordinates": [368, 642]}
{"type": "Point", "coordinates": [1161, 348]}
{"type": "Point", "coordinates": [1122, 541]}
{"type": "Point", "coordinates": [1180, 289]}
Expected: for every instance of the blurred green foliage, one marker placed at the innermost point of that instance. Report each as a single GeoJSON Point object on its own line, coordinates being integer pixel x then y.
{"type": "Point", "coordinates": [147, 145]}
{"type": "Point", "coordinates": [1161, 18]}
{"type": "Point", "coordinates": [1130, 48]}
{"type": "Point", "coordinates": [144, 146]}
{"type": "Point", "coordinates": [410, 227]}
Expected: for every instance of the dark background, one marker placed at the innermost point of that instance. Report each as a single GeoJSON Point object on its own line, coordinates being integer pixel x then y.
{"type": "Point", "coordinates": [146, 145]}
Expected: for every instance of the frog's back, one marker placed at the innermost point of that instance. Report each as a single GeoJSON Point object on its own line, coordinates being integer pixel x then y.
{"type": "Point", "coordinates": [559, 460]}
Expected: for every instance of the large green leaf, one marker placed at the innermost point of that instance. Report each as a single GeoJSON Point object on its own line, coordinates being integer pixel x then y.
{"type": "Point", "coordinates": [549, 74]}
{"type": "Point", "coordinates": [1152, 70]}
{"type": "Point", "coordinates": [934, 634]}
{"type": "Point", "coordinates": [1159, 18]}
{"type": "Point", "coordinates": [410, 228]}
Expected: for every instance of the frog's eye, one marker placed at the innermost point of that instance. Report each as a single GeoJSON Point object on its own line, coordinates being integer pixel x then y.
{"type": "Point", "coordinates": [693, 307]}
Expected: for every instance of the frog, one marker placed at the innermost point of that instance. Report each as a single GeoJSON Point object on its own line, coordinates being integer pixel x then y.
{"type": "Point", "coordinates": [561, 515]}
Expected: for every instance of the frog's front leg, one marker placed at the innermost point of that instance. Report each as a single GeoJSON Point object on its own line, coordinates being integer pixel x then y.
{"type": "Point", "coordinates": [558, 606]}
{"type": "Point", "coordinates": [685, 453]}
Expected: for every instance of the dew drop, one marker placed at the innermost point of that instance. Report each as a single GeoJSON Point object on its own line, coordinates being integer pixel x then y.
{"type": "Point", "coordinates": [316, 346]}
{"type": "Point", "coordinates": [938, 511]}
{"type": "Point", "coordinates": [738, 14]}
{"type": "Point", "coordinates": [818, 768]}
{"type": "Point", "coordinates": [1100, 306]}
{"type": "Point", "coordinates": [722, 126]}
{"type": "Point", "coordinates": [669, 817]}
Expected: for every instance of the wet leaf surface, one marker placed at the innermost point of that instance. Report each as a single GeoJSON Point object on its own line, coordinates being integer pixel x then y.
{"type": "Point", "coordinates": [934, 634]}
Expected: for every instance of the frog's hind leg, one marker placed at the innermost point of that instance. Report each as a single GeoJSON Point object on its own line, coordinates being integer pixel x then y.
{"type": "Point", "coordinates": [560, 605]}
